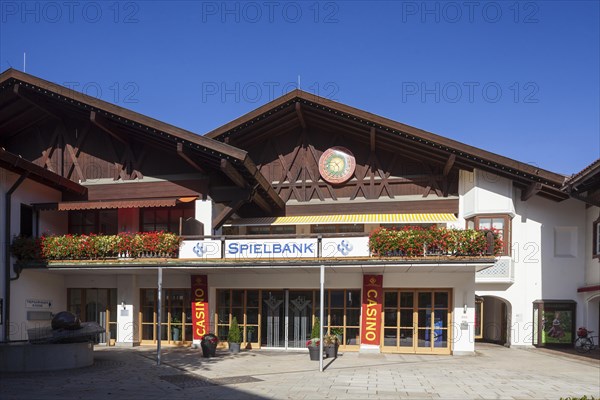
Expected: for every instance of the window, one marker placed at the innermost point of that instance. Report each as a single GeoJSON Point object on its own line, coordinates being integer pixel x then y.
{"type": "Point", "coordinates": [26, 220]}
{"type": "Point", "coordinates": [242, 304]}
{"type": "Point", "coordinates": [271, 230]}
{"type": "Point", "coordinates": [93, 221]}
{"type": "Point", "coordinates": [478, 317]}
{"type": "Point", "coordinates": [176, 315]}
{"type": "Point", "coordinates": [596, 238]}
{"type": "Point", "coordinates": [164, 219]}
{"type": "Point", "coordinates": [500, 223]}
{"type": "Point", "coordinates": [337, 228]}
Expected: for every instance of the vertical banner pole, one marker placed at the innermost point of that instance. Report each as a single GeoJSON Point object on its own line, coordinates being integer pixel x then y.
{"type": "Point", "coordinates": [321, 313]}
{"type": "Point", "coordinates": [159, 304]}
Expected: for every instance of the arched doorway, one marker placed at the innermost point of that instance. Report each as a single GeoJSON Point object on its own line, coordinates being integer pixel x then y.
{"type": "Point", "coordinates": [494, 316]}
{"type": "Point", "coordinates": [592, 317]}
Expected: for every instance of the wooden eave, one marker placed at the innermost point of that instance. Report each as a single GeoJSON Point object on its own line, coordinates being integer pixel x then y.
{"type": "Point", "coordinates": [585, 185]}
{"type": "Point", "coordinates": [19, 165]}
{"type": "Point", "coordinates": [254, 126]}
{"type": "Point", "coordinates": [139, 125]}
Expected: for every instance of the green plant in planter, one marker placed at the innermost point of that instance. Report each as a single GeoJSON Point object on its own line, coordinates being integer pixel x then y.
{"type": "Point", "coordinates": [234, 337]}
{"type": "Point", "coordinates": [235, 333]}
{"type": "Point", "coordinates": [316, 329]}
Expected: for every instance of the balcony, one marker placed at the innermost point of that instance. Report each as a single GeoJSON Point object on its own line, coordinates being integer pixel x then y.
{"type": "Point", "coordinates": [411, 245]}
{"type": "Point", "coordinates": [502, 272]}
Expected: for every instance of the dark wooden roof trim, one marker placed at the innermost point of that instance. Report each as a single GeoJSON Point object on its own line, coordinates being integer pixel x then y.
{"type": "Point", "coordinates": [475, 157]}
{"type": "Point", "coordinates": [101, 109]}
{"type": "Point", "coordinates": [19, 165]}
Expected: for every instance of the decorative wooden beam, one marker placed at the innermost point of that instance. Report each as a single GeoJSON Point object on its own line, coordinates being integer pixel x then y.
{"type": "Point", "coordinates": [188, 159]}
{"type": "Point", "coordinates": [372, 134]}
{"type": "Point", "coordinates": [262, 203]}
{"type": "Point", "coordinates": [129, 163]}
{"type": "Point", "coordinates": [101, 123]}
{"type": "Point", "coordinates": [225, 194]}
{"type": "Point", "coordinates": [227, 212]}
{"type": "Point", "coordinates": [449, 164]}
{"type": "Point", "coordinates": [531, 191]}
{"type": "Point", "coordinates": [301, 116]}
{"type": "Point", "coordinates": [34, 102]}
{"type": "Point", "coordinates": [232, 173]}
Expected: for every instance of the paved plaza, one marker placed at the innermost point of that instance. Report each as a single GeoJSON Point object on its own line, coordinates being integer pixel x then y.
{"type": "Point", "coordinates": [494, 372]}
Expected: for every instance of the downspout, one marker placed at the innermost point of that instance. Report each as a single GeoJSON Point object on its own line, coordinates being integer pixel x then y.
{"type": "Point", "coordinates": [7, 277]}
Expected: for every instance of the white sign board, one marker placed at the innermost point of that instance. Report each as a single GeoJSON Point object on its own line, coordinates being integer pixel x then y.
{"type": "Point", "coordinates": [275, 248]}
{"type": "Point", "coordinates": [38, 304]}
{"type": "Point", "coordinates": [345, 247]}
{"type": "Point", "coordinates": [202, 249]}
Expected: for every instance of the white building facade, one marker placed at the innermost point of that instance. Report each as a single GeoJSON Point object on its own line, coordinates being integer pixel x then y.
{"type": "Point", "coordinates": [242, 193]}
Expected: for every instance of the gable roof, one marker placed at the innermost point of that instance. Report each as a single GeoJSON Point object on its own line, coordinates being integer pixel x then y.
{"type": "Point", "coordinates": [300, 105]}
{"type": "Point", "coordinates": [210, 151]}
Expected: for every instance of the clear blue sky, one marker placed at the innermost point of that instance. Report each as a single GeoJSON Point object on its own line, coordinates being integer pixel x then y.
{"type": "Point", "coordinates": [521, 79]}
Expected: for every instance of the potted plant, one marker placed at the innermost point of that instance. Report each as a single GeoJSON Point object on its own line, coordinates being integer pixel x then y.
{"type": "Point", "coordinates": [209, 345]}
{"type": "Point", "coordinates": [331, 344]}
{"type": "Point", "coordinates": [234, 337]}
{"type": "Point", "coordinates": [175, 329]}
{"type": "Point", "coordinates": [314, 344]}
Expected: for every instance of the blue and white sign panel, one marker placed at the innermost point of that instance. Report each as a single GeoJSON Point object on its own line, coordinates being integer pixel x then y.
{"type": "Point", "coordinates": [275, 248]}
{"type": "Point", "coordinates": [345, 247]}
{"type": "Point", "coordinates": [203, 249]}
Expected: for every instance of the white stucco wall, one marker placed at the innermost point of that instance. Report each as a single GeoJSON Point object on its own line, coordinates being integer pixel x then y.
{"type": "Point", "coordinates": [37, 285]}
{"type": "Point", "coordinates": [28, 192]}
{"type": "Point", "coordinates": [592, 265]}
{"type": "Point", "coordinates": [481, 192]}
{"type": "Point", "coordinates": [547, 248]}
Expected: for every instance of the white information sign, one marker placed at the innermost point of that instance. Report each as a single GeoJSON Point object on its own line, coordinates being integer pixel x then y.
{"type": "Point", "coordinates": [38, 304]}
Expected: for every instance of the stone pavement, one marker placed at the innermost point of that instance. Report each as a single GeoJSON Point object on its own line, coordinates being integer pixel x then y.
{"type": "Point", "coordinates": [493, 373]}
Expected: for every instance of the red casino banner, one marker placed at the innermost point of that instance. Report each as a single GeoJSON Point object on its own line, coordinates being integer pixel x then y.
{"type": "Point", "coordinates": [372, 298]}
{"type": "Point", "coordinates": [200, 315]}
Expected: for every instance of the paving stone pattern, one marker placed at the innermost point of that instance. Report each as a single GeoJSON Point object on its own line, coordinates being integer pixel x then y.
{"type": "Point", "coordinates": [493, 373]}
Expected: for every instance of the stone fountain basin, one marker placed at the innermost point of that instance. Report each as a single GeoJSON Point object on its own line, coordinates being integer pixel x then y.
{"type": "Point", "coordinates": [26, 357]}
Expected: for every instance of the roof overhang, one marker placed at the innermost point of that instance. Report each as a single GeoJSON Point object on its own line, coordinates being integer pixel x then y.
{"type": "Point", "coordinates": [224, 159]}
{"type": "Point", "coordinates": [585, 185]}
{"type": "Point", "coordinates": [19, 165]}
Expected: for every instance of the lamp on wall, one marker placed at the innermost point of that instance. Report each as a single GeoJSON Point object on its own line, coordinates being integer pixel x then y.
{"type": "Point", "coordinates": [465, 309]}
{"type": "Point", "coordinates": [123, 304]}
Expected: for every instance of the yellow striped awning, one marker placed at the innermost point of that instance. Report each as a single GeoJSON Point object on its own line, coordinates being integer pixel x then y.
{"type": "Point", "coordinates": [431, 218]}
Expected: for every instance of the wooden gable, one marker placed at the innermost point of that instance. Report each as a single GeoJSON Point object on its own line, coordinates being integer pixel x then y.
{"type": "Point", "coordinates": [116, 152]}
{"type": "Point", "coordinates": [287, 135]}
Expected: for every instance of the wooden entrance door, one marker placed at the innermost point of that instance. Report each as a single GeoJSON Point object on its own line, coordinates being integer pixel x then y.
{"type": "Point", "coordinates": [417, 321]}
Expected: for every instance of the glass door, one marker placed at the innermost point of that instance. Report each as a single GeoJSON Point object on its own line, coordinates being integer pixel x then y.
{"type": "Point", "coordinates": [273, 318]}
{"type": "Point", "coordinates": [299, 318]}
{"type": "Point", "coordinates": [96, 305]}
